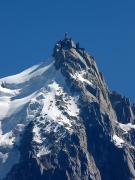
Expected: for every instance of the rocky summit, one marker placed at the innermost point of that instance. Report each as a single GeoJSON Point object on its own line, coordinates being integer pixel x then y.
{"type": "Point", "coordinates": [59, 121]}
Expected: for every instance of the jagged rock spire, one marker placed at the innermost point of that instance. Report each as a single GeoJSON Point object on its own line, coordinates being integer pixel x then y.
{"type": "Point", "coordinates": [66, 44]}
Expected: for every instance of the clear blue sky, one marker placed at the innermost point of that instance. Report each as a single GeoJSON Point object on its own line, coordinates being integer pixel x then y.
{"type": "Point", "coordinates": [29, 29]}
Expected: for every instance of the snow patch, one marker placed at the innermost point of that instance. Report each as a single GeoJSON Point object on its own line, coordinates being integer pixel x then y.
{"type": "Point", "coordinates": [6, 140]}
{"type": "Point", "coordinates": [36, 135]}
{"type": "Point", "coordinates": [126, 127]}
{"type": "Point", "coordinates": [80, 76]}
{"type": "Point", "coordinates": [118, 141]}
{"type": "Point", "coordinates": [8, 92]}
{"type": "Point", "coordinates": [51, 109]}
{"type": "Point", "coordinates": [4, 106]}
{"type": "Point", "coordinates": [27, 74]}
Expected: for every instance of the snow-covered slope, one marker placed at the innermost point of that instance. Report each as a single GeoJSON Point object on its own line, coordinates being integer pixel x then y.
{"type": "Point", "coordinates": [16, 111]}
{"type": "Point", "coordinates": [58, 120]}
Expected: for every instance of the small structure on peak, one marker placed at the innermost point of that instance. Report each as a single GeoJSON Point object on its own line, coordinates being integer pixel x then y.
{"type": "Point", "coordinates": [66, 44]}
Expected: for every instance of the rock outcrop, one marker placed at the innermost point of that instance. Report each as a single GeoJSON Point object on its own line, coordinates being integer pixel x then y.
{"type": "Point", "coordinates": [74, 127]}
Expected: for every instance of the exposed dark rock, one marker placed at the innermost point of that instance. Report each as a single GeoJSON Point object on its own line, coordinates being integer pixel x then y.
{"type": "Point", "coordinates": [123, 107]}
{"type": "Point", "coordinates": [97, 146]}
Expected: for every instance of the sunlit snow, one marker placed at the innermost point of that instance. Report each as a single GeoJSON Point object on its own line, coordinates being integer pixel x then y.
{"type": "Point", "coordinates": [118, 141]}
{"type": "Point", "coordinates": [31, 101]}
{"type": "Point", "coordinates": [126, 127]}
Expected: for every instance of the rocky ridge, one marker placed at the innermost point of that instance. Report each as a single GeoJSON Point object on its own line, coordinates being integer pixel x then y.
{"type": "Point", "coordinates": [66, 123]}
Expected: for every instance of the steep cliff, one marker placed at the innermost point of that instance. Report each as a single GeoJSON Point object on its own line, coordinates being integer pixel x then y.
{"type": "Point", "coordinates": [59, 120]}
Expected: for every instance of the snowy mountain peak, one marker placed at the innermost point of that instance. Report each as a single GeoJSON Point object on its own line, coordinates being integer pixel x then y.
{"type": "Point", "coordinates": [58, 120]}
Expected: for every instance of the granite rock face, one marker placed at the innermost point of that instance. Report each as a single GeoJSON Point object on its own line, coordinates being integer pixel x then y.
{"type": "Point", "coordinates": [74, 127]}
{"type": "Point", "coordinates": [123, 108]}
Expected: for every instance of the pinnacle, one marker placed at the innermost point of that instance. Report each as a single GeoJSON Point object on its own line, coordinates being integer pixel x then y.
{"type": "Point", "coordinates": [66, 44]}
